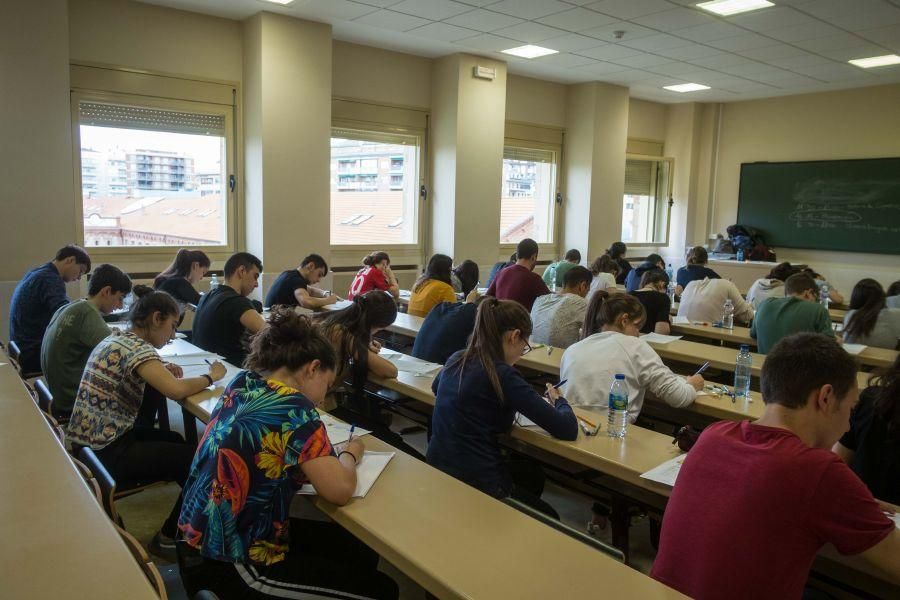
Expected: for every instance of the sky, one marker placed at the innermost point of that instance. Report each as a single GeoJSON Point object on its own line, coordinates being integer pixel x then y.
{"type": "Point", "coordinates": [207, 150]}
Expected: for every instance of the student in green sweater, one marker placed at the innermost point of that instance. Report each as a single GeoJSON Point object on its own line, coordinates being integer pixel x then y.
{"type": "Point", "coordinates": [556, 272]}
{"type": "Point", "coordinates": [799, 311]}
{"type": "Point", "coordinates": [74, 331]}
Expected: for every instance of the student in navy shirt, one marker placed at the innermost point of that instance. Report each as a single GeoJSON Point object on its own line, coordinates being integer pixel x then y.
{"type": "Point", "coordinates": [694, 270]}
{"type": "Point", "coordinates": [188, 268]}
{"type": "Point", "coordinates": [296, 287]}
{"type": "Point", "coordinates": [446, 329]}
{"type": "Point", "coordinates": [477, 396]}
{"type": "Point", "coordinates": [37, 297]}
{"type": "Point", "coordinates": [653, 262]}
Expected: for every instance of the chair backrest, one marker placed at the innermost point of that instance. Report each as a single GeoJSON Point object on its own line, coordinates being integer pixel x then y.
{"type": "Point", "coordinates": [89, 479]}
{"type": "Point", "coordinates": [143, 559]}
{"type": "Point", "coordinates": [105, 480]}
{"type": "Point", "coordinates": [13, 351]}
{"type": "Point", "coordinates": [14, 355]}
{"type": "Point", "coordinates": [44, 397]}
{"type": "Point", "coordinates": [56, 427]}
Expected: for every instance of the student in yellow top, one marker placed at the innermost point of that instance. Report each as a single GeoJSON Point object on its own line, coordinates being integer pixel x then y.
{"type": "Point", "coordinates": [432, 287]}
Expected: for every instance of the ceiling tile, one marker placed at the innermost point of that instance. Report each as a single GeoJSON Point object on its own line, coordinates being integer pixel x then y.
{"type": "Point", "coordinates": [602, 68]}
{"type": "Point", "coordinates": [629, 9]}
{"type": "Point", "coordinates": [642, 60]}
{"type": "Point", "coordinates": [807, 31]}
{"type": "Point", "coordinates": [889, 36]}
{"type": "Point", "coordinates": [337, 9]}
{"type": "Point", "coordinates": [741, 42]}
{"type": "Point", "coordinates": [630, 75]}
{"type": "Point", "coordinates": [609, 52]}
{"type": "Point", "coordinates": [845, 54]}
{"type": "Point", "coordinates": [858, 14]}
{"type": "Point", "coordinates": [442, 31]}
{"type": "Point", "coordinates": [672, 68]}
{"type": "Point", "coordinates": [677, 18]}
{"type": "Point", "coordinates": [799, 62]}
{"type": "Point", "coordinates": [488, 42]}
{"type": "Point", "coordinates": [607, 33]}
{"type": "Point", "coordinates": [566, 60]}
{"type": "Point", "coordinates": [796, 81]}
{"type": "Point", "coordinates": [530, 9]}
{"type": "Point", "coordinates": [577, 19]}
{"type": "Point", "coordinates": [836, 72]}
{"type": "Point", "coordinates": [753, 69]}
{"type": "Point", "coordinates": [530, 32]}
{"type": "Point", "coordinates": [378, 3]}
{"type": "Point", "coordinates": [770, 18]}
{"type": "Point", "coordinates": [713, 31]}
{"type": "Point", "coordinates": [435, 10]}
{"type": "Point", "coordinates": [483, 20]}
{"type": "Point", "coordinates": [388, 19]}
{"type": "Point", "coordinates": [772, 52]}
{"type": "Point", "coordinates": [831, 42]}
{"type": "Point", "coordinates": [690, 51]}
{"type": "Point", "coordinates": [660, 41]}
{"type": "Point", "coordinates": [720, 61]}
{"type": "Point", "coordinates": [571, 42]}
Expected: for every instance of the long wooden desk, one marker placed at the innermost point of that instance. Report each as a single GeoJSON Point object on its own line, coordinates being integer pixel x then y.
{"type": "Point", "coordinates": [58, 542]}
{"type": "Point", "coordinates": [459, 543]}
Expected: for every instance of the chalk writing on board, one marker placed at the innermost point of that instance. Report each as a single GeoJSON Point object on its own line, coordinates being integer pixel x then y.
{"type": "Point", "coordinates": [828, 204]}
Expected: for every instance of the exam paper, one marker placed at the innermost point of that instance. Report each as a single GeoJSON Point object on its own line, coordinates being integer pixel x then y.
{"type": "Point", "coordinates": [338, 431]}
{"type": "Point", "coordinates": [368, 471]}
{"type": "Point", "coordinates": [681, 321]}
{"type": "Point", "coordinates": [658, 338]}
{"type": "Point", "coordinates": [410, 364]}
{"type": "Point", "coordinates": [854, 349]}
{"type": "Point", "coordinates": [667, 472]}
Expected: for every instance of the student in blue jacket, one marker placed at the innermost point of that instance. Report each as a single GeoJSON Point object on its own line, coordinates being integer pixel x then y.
{"type": "Point", "coordinates": [477, 396]}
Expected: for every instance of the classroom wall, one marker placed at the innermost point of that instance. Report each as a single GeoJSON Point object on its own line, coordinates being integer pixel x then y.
{"type": "Point", "coordinates": [380, 76]}
{"type": "Point", "coordinates": [646, 120]}
{"type": "Point", "coordinates": [860, 123]}
{"type": "Point", "coordinates": [535, 101]}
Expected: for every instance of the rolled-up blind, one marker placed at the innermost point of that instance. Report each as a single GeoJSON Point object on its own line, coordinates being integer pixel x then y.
{"type": "Point", "coordinates": [528, 154]}
{"type": "Point", "coordinates": [380, 137]}
{"type": "Point", "coordinates": [638, 174]}
{"type": "Point", "coordinates": [152, 119]}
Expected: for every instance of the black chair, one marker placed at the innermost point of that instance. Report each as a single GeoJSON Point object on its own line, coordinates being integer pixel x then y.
{"type": "Point", "coordinates": [106, 482]}
{"type": "Point", "coordinates": [44, 397]}
{"type": "Point", "coordinates": [14, 356]}
{"type": "Point", "coordinates": [205, 595]}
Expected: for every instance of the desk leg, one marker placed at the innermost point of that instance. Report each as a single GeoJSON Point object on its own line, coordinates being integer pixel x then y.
{"type": "Point", "coordinates": [190, 427]}
{"type": "Point", "coordinates": [620, 521]}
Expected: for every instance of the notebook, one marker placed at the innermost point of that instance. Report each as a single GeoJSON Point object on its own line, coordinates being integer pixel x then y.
{"type": "Point", "coordinates": [367, 473]}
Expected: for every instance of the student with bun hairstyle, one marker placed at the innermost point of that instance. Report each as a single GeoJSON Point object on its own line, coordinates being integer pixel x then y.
{"type": "Point", "coordinates": [432, 287]}
{"type": "Point", "coordinates": [465, 277]}
{"type": "Point", "coordinates": [109, 400]}
{"type": "Point", "coordinates": [605, 271]}
{"type": "Point", "coordinates": [477, 395]}
{"type": "Point", "coordinates": [869, 321]}
{"type": "Point", "coordinates": [617, 252]}
{"type": "Point", "coordinates": [376, 274]}
{"type": "Point", "coordinates": [237, 537]}
{"type": "Point", "coordinates": [179, 278]}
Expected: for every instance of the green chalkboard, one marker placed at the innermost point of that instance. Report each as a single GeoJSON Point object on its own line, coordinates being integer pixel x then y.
{"type": "Point", "coordinates": [846, 205]}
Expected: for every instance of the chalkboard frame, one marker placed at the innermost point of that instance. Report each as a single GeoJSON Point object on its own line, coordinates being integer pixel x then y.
{"type": "Point", "coordinates": [778, 243]}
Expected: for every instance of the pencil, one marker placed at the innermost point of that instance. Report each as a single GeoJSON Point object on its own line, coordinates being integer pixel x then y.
{"type": "Point", "coordinates": [580, 418]}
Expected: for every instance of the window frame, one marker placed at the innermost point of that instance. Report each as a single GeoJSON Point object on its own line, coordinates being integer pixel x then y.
{"type": "Point", "coordinates": [506, 248]}
{"type": "Point", "coordinates": [669, 200]}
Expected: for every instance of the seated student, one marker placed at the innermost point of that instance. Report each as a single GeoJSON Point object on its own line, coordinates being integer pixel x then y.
{"type": "Point", "coordinates": [704, 301]}
{"type": "Point", "coordinates": [610, 345]}
{"type": "Point", "coordinates": [893, 295]}
{"type": "Point", "coordinates": [519, 282]}
{"type": "Point", "coordinates": [109, 399]}
{"type": "Point", "coordinates": [617, 253]}
{"type": "Point", "coordinates": [872, 446]}
{"type": "Point", "coordinates": [179, 278]}
{"type": "Point", "coordinates": [555, 273]}
{"type": "Point", "coordinates": [477, 395]}
{"type": "Point", "coordinates": [773, 488]}
{"type": "Point", "coordinates": [869, 321]}
{"type": "Point", "coordinates": [657, 304]}
{"type": "Point", "coordinates": [74, 332]}
{"type": "Point", "coordinates": [225, 315]}
{"type": "Point", "coordinates": [465, 277]}
{"type": "Point", "coordinates": [294, 287]}
{"type": "Point", "coordinates": [376, 274]}
{"type": "Point", "coordinates": [238, 539]}
{"type": "Point", "coordinates": [653, 262]}
{"type": "Point", "coordinates": [557, 318]}
{"type": "Point", "coordinates": [772, 286]}
{"type": "Point", "coordinates": [432, 287]}
{"type": "Point", "coordinates": [499, 266]}
{"type": "Point", "coordinates": [38, 295]}
{"type": "Point", "coordinates": [446, 329]}
{"type": "Point", "coordinates": [797, 312]}
{"type": "Point", "coordinates": [694, 270]}
{"type": "Point", "coordinates": [604, 270]}
{"type": "Point", "coordinates": [833, 294]}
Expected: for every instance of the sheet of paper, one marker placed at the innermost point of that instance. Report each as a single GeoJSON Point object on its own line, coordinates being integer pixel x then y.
{"type": "Point", "coordinates": [338, 431]}
{"type": "Point", "coordinates": [523, 421]}
{"type": "Point", "coordinates": [341, 304]}
{"type": "Point", "coordinates": [667, 472]}
{"type": "Point", "coordinates": [410, 364]}
{"type": "Point", "coordinates": [367, 473]}
{"type": "Point", "coordinates": [681, 321]}
{"type": "Point", "coordinates": [896, 519]}
{"type": "Point", "coordinates": [180, 347]}
{"type": "Point", "coordinates": [658, 338]}
{"type": "Point", "coordinates": [123, 325]}
{"type": "Point", "coordinates": [854, 349]}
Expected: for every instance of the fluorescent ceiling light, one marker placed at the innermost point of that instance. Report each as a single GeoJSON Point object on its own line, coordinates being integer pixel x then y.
{"type": "Point", "coordinates": [733, 7]}
{"type": "Point", "coordinates": [530, 51]}
{"type": "Point", "coordinates": [281, 2]}
{"type": "Point", "coordinates": [876, 61]}
{"type": "Point", "coordinates": [686, 87]}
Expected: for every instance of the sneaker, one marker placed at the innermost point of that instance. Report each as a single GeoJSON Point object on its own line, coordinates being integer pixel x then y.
{"type": "Point", "coordinates": [595, 526]}
{"type": "Point", "coordinates": [163, 546]}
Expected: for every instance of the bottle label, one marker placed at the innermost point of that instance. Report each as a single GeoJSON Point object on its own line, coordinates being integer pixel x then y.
{"type": "Point", "coordinates": [618, 402]}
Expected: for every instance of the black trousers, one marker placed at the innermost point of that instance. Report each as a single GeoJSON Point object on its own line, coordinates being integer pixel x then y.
{"type": "Point", "coordinates": [144, 456]}
{"type": "Point", "coordinates": [528, 485]}
{"type": "Point", "coordinates": [324, 561]}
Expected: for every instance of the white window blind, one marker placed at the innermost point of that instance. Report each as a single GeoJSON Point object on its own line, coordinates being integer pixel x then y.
{"type": "Point", "coordinates": [374, 136]}
{"type": "Point", "coordinates": [528, 154]}
{"type": "Point", "coordinates": [153, 119]}
{"type": "Point", "coordinates": [638, 174]}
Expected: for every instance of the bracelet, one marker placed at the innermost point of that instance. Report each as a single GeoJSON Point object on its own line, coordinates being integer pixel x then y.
{"type": "Point", "coordinates": [209, 378]}
{"type": "Point", "coordinates": [343, 452]}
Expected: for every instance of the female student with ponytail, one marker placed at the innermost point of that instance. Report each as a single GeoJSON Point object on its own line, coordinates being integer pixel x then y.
{"type": "Point", "coordinates": [869, 321]}
{"type": "Point", "coordinates": [477, 396]}
{"type": "Point", "coordinates": [110, 395]}
{"type": "Point", "coordinates": [432, 287]}
{"type": "Point", "coordinates": [267, 438]}
{"type": "Point", "coordinates": [376, 274]}
{"type": "Point", "coordinates": [179, 278]}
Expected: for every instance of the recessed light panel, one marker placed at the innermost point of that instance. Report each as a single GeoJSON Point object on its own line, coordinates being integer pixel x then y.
{"type": "Point", "coordinates": [686, 87]}
{"type": "Point", "coordinates": [530, 51]}
{"type": "Point", "coordinates": [876, 61]}
{"type": "Point", "coordinates": [733, 7]}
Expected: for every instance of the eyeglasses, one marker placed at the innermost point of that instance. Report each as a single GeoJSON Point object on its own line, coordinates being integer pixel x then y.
{"type": "Point", "coordinates": [527, 348]}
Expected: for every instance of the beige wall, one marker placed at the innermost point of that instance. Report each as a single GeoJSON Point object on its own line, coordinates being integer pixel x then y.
{"type": "Point", "coordinates": [646, 120]}
{"type": "Point", "coordinates": [535, 101]}
{"type": "Point", "coordinates": [380, 76]}
{"type": "Point", "coordinates": [141, 36]}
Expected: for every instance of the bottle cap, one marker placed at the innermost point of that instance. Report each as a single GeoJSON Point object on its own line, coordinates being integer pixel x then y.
{"type": "Point", "coordinates": [745, 348]}
{"type": "Point", "coordinates": [620, 376]}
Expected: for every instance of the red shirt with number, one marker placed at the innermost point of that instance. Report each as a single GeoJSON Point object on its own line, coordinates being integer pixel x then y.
{"type": "Point", "coordinates": [368, 279]}
{"type": "Point", "coordinates": [751, 508]}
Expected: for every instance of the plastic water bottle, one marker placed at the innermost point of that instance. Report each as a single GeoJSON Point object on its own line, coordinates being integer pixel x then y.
{"type": "Point", "coordinates": [670, 290]}
{"type": "Point", "coordinates": [213, 282]}
{"type": "Point", "coordinates": [670, 272]}
{"type": "Point", "coordinates": [618, 407]}
{"type": "Point", "coordinates": [740, 255]}
{"type": "Point", "coordinates": [742, 373]}
{"type": "Point", "coordinates": [823, 295]}
{"type": "Point", "coordinates": [728, 314]}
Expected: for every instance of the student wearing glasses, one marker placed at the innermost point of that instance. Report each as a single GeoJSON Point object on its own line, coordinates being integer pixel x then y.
{"type": "Point", "coordinates": [477, 395]}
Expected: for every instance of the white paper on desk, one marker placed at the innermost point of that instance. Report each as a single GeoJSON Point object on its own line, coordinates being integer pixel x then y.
{"type": "Point", "coordinates": [854, 349]}
{"type": "Point", "coordinates": [681, 321]}
{"type": "Point", "coordinates": [523, 421]}
{"type": "Point", "coordinates": [368, 471]}
{"type": "Point", "coordinates": [181, 348]}
{"type": "Point", "coordinates": [895, 518]}
{"type": "Point", "coordinates": [410, 364]}
{"type": "Point", "coordinates": [341, 304]}
{"type": "Point", "coordinates": [338, 431]}
{"type": "Point", "coordinates": [667, 472]}
{"type": "Point", "coordinates": [658, 338]}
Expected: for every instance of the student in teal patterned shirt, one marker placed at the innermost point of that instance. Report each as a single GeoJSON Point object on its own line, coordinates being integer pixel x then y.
{"type": "Point", "coordinates": [264, 441]}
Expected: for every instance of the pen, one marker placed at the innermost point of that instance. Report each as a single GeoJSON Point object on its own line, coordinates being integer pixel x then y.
{"type": "Point", "coordinates": [352, 428]}
{"type": "Point", "coordinates": [584, 428]}
{"type": "Point", "coordinates": [702, 368]}
{"type": "Point", "coordinates": [549, 350]}
{"type": "Point", "coordinates": [558, 385]}
{"type": "Point", "coordinates": [207, 361]}
{"type": "Point", "coordinates": [583, 420]}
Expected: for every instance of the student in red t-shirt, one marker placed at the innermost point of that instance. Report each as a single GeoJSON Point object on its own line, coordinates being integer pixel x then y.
{"type": "Point", "coordinates": [376, 274]}
{"type": "Point", "coordinates": [519, 282]}
{"type": "Point", "coordinates": [755, 501]}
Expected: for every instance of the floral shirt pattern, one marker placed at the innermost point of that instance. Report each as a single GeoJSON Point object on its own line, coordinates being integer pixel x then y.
{"type": "Point", "coordinates": [245, 473]}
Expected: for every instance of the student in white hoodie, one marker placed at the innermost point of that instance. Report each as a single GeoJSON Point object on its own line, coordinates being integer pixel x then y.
{"type": "Point", "coordinates": [704, 301]}
{"type": "Point", "coordinates": [771, 286]}
{"type": "Point", "coordinates": [610, 345]}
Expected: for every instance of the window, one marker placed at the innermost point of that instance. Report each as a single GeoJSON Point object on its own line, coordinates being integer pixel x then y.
{"type": "Point", "coordinates": [151, 176]}
{"type": "Point", "coordinates": [527, 195]}
{"type": "Point", "coordinates": [374, 187]}
{"type": "Point", "coordinates": [645, 207]}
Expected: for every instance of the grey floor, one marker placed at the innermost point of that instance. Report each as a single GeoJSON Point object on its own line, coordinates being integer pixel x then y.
{"type": "Point", "coordinates": [144, 512]}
